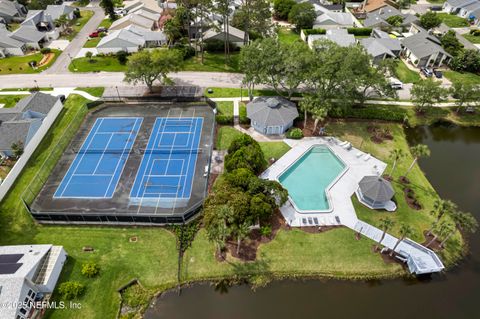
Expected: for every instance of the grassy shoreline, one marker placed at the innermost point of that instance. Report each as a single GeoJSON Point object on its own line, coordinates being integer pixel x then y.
{"type": "Point", "coordinates": [152, 259]}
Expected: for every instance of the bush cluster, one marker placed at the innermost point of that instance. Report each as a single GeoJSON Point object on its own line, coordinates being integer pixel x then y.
{"type": "Point", "coordinates": [371, 113]}
{"type": "Point", "coordinates": [245, 152]}
{"type": "Point", "coordinates": [360, 31]}
{"type": "Point", "coordinates": [71, 289]}
{"type": "Point", "coordinates": [186, 236]}
{"type": "Point", "coordinates": [90, 269]}
{"type": "Point", "coordinates": [314, 31]}
{"type": "Point", "coordinates": [224, 119]}
{"type": "Point", "coordinates": [475, 32]}
{"type": "Point", "coordinates": [294, 133]}
{"type": "Point", "coordinates": [45, 50]}
{"type": "Point", "coordinates": [215, 45]}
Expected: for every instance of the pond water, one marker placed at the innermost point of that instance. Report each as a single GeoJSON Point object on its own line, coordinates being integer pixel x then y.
{"type": "Point", "coordinates": [454, 170]}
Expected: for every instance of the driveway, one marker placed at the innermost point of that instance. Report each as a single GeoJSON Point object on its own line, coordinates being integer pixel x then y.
{"type": "Point", "coordinates": [61, 65]}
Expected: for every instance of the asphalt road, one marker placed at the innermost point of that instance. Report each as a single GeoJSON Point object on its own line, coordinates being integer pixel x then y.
{"type": "Point", "coordinates": [62, 62]}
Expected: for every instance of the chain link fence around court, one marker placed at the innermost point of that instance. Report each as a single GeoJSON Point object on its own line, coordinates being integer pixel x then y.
{"type": "Point", "coordinates": [55, 152]}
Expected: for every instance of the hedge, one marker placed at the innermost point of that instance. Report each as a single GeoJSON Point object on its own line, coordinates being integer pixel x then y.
{"type": "Point", "coordinates": [360, 31]}
{"type": "Point", "coordinates": [243, 119]}
{"type": "Point", "coordinates": [314, 31]}
{"type": "Point", "coordinates": [224, 119]}
{"type": "Point", "coordinates": [294, 133]}
{"type": "Point", "coordinates": [371, 112]}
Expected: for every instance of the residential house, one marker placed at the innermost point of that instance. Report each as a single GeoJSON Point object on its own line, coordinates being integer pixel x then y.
{"type": "Point", "coordinates": [30, 36]}
{"type": "Point", "coordinates": [28, 274]}
{"type": "Point", "coordinates": [467, 11]}
{"type": "Point", "coordinates": [236, 36]}
{"type": "Point", "coordinates": [131, 39]}
{"type": "Point", "coordinates": [150, 14]}
{"type": "Point", "coordinates": [373, 5]}
{"type": "Point", "coordinates": [424, 50]}
{"type": "Point", "coordinates": [56, 11]}
{"type": "Point", "coordinates": [378, 18]}
{"type": "Point", "coordinates": [327, 19]}
{"type": "Point", "coordinates": [20, 123]}
{"type": "Point", "coordinates": [133, 19]}
{"type": "Point", "coordinates": [121, 40]}
{"type": "Point", "coordinates": [454, 6]}
{"type": "Point", "coordinates": [10, 46]}
{"type": "Point", "coordinates": [339, 36]}
{"type": "Point", "coordinates": [12, 11]}
{"type": "Point", "coordinates": [381, 48]}
{"type": "Point", "coordinates": [271, 115]}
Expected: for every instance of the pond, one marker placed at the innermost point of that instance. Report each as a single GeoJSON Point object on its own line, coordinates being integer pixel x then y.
{"type": "Point", "coordinates": [454, 171]}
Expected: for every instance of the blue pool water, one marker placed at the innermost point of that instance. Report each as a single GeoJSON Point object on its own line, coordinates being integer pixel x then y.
{"type": "Point", "coordinates": [308, 178]}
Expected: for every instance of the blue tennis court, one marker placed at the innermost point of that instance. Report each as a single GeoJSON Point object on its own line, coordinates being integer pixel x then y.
{"type": "Point", "coordinates": [168, 165]}
{"type": "Point", "coordinates": [96, 169]}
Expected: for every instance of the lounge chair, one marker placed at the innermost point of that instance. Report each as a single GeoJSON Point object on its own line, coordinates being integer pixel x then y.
{"type": "Point", "coordinates": [360, 154]}
{"type": "Point", "coordinates": [348, 147]}
{"type": "Point", "coordinates": [310, 221]}
{"type": "Point", "coordinates": [343, 143]}
{"type": "Point", "coordinates": [367, 157]}
{"type": "Point", "coordinates": [315, 221]}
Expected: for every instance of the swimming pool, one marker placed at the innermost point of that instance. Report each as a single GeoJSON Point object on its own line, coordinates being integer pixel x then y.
{"type": "Point", "coordinates": [308, 179]}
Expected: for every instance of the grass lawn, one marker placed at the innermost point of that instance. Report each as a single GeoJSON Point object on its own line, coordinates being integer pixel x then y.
{"type": "Point", "coordinates": [213, 62]}
{"type": "Point", "coordinates": [404, 74]}
{"type": "Point", "coordinates": [10, 100]}
{"type": "Point", "coordinates": [274, 149]}
{"type": "Point", "coordinates": [92, 42]}
{"type": "Point", "coordinates": [420, 220]}
{"type": "Point", "coordinates": [225, 108]}
{"type": "Point", "coordinates": [78, 24]}
{"type": "Point", "coordinates": [466, 77]}
{"type": "Point", "coordinates": [19, 64]}
{"type": "Point", "coordinates": [97, 64]}
{"type": "Point", "coordinates": [472, 38]}
{"type": "Point", "coordinates": [453, 21]}
{"type": "Point", "coordinates": [235, 92]}
{"type": "Point", "coordinates": [436, 1]}
{"type": "Point", "coordinates": [288, 36]}
{"type": "Point", "coordinates": [225, 136]}
{"type": "Point", "coordinates": [95, 91]}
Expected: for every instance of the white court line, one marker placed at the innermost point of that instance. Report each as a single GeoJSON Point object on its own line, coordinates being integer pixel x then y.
{"type": "Point", "coordinates": [103, 154]}
{"type": "Point", "coordinates": [120, 160]}
{"type": "Point", "coordinates": [81, 158]}
{"type": "Point", "coordinates": [189, 160]}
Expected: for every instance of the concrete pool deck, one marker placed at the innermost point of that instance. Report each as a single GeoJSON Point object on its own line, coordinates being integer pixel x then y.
{"type": "Point", "coordinates": [418, 258]}
{"type": "Point", "coordinates": [342, 212]}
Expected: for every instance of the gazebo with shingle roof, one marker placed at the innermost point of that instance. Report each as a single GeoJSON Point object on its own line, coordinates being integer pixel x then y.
{"type": "Point", "coordinates": [376, 192]}
{"type": "Point", "coordinates": [271, 115]}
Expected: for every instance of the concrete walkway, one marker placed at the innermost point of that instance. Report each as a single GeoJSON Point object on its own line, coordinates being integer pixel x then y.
{"type": "Point", "coordinates": [55, 92]}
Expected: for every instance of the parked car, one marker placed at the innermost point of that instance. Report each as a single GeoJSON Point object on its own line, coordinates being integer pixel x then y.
{"type": "Point", "coordinates": [94, 34]}
{"type": "Point", "coordinates": [120, 12]}
{"type": "Point", "coordinates": [436, 8]}
{"type": "Point", "coordinates": [396, 84]}
{"type": "Point", "coordinates": [438, 74]}
{"type": "Point", "coordinates": [102, 29]}
{"type": "Point", "coordinates": [427, 72]}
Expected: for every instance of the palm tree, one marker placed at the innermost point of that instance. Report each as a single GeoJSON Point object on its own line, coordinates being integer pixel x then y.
{"type": "Point", "coordinates": [464, 221]}
{"type": "Point", "coordinates": [420, 150]}
{"type": "Point", "coordinates": [318, 114]}
{"type": "Point", "coordinates": [385, 224]}
{"type": "Point", "coordinates": [395, 155]}
{"type": "Point", "coordinates": [306, 105]}
{"type": "Point", "coordinates": [405, 231]}
{"type": "Point", "coordinates": [440, 208]}
{"type": "Point", "coordinates": [242, 232]}
{"type": "Point", "coordinates": [441, 230]}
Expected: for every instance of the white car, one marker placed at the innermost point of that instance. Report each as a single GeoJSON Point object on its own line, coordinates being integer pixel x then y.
{"type": "Point", "coordinates": [396, 84]}
{"type": "Point", "coordinates": [120, 12]}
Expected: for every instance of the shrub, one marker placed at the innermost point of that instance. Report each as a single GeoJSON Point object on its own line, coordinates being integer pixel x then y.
{"type": "Point", "coordinates": [187, 50]}
{"type": "Point", "coordinates": [135, 296]}
{"type": "Point", "coordinates": [122, 57]}
{"type": "Point", "coordinates": [186, 235]}
{"type": "Point", "coordinates": [215, 45]}
{"type": "Point", "coordinates": [90, 269]}
{"type": "Point", "coordinates": [32, 63]}
{"type": "Point", "coordinates": [294, 133]}
{"type": "Point", "coordinates": [314, 31]}
{"type": "Point", "coordinates": [374, 112]}
{"type": "Point", "coordinates": [302, 15]}
{"type": "Point", "coordinates": [242, 116]}
{"type": "Point", "coordinates": [224, 119]}
{"type": "Point", "coordinates": [266, 230]}
{"type": "Point", "coordinates": [45, 50]}
{"type": "Point", "coordinates": [245, 152]}
{"type": "Point", "coordinates": [360, 31]}
{"type": "Point", "coordinates": [71, 289]}
{"type": "Point", "coordinates": [102, 34]}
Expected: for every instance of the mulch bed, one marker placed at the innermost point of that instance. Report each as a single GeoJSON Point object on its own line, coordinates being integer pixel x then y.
{"type": "Point", "coordinates": [248, 248]}
{"type": "Point", "coordinates": [411, 199]}
{"type": "Point", "coordinates": [379, 135]}
{"type": "Point", "coordinates": [46, 59]}
{"type": "Point", "coordinates": [211, 181]}
{"type": "Point", "coordinates": [308, 129]}
{"type": "Point", "coordinates": [433, 246]}
{"type": "Point", "coordinates": [404, 180]}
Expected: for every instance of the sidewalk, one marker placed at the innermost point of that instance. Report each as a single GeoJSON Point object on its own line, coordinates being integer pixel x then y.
{"type": "Point", "coordinates": [55, 92]}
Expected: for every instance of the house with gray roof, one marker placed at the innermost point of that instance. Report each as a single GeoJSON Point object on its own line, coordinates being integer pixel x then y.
{"type": "Point", "coordinates": [10, 46]}
{"type": "Point", "coordinates": [56, 11]}
{"type": "Point", "coordinates": [152, 38]}
{"type": "Point", "coordinates": [339, 36]}
{"type": "Point", "coordinates": [333, 20]}
{"type": "Point", "coordinates": [236, 36]}
{"type": "Point", "coordinates": [28, 274]}
{"type": "Point", "coordinates": [454, 6]}
{"type": "Point", "coordinates": [271, 115]}
{"type": "Point", "coordinates": [424, 50]}
{"type": "Point", "coordinates": [20, 123]}
{"type": "Point", "coordinates": [12, 11]}
{"type": "Point", "coordinates": [375, 192]}
{"type": "Point", "coordinates": [381, 46]}
{"type": "Point", "coordinates": [378, 18]}
{"type": "Point", "coordinates": [30, 36]}
{"type": "Point", "coordinates": [133, 19]}
{"type": "Point", "coordinates": [121, 40]}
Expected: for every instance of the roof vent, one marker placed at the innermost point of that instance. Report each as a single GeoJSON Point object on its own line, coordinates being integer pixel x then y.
{"type": "Point", "coordinates": [273, 103]}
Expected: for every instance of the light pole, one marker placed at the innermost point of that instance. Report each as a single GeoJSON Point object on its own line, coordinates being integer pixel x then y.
{"type": "Point", "coordinates": [71, 60]}
{"type": "Point", "coordinates": [118, 93]}
{"type": "Point", "coordinates": [36, 85]}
